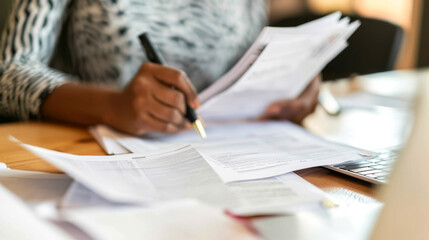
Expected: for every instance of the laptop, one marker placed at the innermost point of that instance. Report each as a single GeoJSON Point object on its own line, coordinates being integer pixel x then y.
{"type": "Point", "coordinates": [383, 130]}
{"type": "Point", "coordinates": [379, 117]}
{"type": "Point", "coordinates": [372, 122]}
{"type": "Point", "coordinates": [381, 124]}
{"type": "Point", "coordinates": [375, 170]}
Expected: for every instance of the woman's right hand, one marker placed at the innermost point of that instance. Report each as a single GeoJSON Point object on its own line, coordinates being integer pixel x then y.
{"type": "Point", "coordinates": [154, 101]}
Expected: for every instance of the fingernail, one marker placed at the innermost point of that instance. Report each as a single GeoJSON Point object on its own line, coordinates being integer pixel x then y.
{"type": "Point", "coordinates": [274, 109]}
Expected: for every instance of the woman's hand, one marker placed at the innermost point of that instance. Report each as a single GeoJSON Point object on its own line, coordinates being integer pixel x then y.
{"type": "Point", "coordinates": [295, 110]}
{"type": "Point", "coordinates": [154, 101]}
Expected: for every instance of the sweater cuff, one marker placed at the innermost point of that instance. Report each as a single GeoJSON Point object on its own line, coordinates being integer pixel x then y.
{"type": "Point", "coordinates": [23, 88]}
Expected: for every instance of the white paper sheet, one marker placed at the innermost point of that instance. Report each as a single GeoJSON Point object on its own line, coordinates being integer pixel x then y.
{"type": "Point", "coordinates": [254, 150]}
{"type": "Point", "coordinates": [180, 220]}
{"type": "Point", "coordinates": [79, 196]}
{"type": "Point", "coordinates": [17, 221]}
{"type": "Point", "coordinates": [239, 160]}
{"type": "Point", "coordinates": [35, 187]}
{"type": "Point", "coordinates": [285, 194]}
{"type": "Point", "coordinates": [168, 174]}
{"type": "Point", "coordinates": [279, 65]}
{"type": "Point", "coordinates": [107, 139]}
{"type": "Point", "coordinates": [255, 50]}
{"type": "Point", "coordinates": [278, 195]}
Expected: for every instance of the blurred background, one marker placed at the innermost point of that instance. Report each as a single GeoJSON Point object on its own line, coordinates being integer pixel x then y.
{"type": "Point", "coordinates": [410, 15]}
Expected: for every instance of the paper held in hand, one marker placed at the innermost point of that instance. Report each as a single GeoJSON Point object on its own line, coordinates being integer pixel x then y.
{"type": "Point", "coordinates": [279, 65]}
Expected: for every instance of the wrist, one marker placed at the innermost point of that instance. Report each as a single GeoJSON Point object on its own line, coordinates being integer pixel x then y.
{"type": "Point", "coordinates": [111, 109]}
{"type": "Point", "coordinates": [80, 104]}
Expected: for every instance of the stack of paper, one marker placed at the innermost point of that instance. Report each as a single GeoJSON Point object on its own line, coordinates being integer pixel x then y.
{"type": "Point", "coordinates": [251, 159]}
{"type": "Point", "coordinates": [170, 174]}
{"type": "Point", "coordinates": [280, 64]}
{"type": "Point", "coordinates": [252, 150]}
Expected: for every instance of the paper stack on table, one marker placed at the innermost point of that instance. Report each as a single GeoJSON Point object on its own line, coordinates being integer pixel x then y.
{"type": "Point", "coordinates": [245, 162]}
{"type": "Point", "coordinates": [174, 173]}
{"type": "Point", "coordinates": [252, 150]}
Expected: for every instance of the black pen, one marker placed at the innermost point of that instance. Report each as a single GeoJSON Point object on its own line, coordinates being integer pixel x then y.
{"type": "Point", "coordinates": [155, 56]}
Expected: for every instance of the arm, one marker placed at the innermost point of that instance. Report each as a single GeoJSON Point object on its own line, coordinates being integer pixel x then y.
{"type": "Point", "coordinates": [26, 48]}
{"type": "Point", "coordinates": [29, 89]}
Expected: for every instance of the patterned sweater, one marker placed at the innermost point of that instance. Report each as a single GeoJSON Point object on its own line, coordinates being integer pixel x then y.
{"type": "Point", "coordinates": [50, 42]}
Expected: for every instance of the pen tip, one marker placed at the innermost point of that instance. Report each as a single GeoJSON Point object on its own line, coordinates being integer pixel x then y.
{"type": "Point", "coordinates": [198, 126]}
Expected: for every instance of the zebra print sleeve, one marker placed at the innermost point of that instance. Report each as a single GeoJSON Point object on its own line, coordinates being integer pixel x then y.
{"type": "Point", "coordinates": [26, 47]}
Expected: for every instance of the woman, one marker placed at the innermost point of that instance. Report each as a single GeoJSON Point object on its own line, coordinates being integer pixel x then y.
{"type": "Point", "coordinates": [104, 77]}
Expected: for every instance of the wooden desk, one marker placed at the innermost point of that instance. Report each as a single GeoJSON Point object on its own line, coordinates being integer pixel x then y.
{"type": "Point", "coordinates": [77, 140]}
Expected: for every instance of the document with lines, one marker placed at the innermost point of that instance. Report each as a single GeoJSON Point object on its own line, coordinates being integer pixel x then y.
{"type": "Point", "coordinates": [252, 150]}
{"type": "Point", "coordinates": [171, 174]}
{"type": "Point", "coordinates": [168, 174]}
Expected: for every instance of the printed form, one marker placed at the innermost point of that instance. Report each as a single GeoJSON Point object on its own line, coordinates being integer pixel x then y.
{"type": "Point", "coordinates": [171, 174]}
{"type": "Point", "coordinates": [168, 174]}
{"type": "Point", "coordinates": [254, 150]}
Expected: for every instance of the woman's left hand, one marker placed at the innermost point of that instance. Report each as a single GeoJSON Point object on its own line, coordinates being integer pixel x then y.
{"type": "Point", "coordinates": [295, 110]}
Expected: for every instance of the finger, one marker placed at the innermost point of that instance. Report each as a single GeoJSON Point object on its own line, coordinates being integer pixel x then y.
{"type": "Point", "coordinates": [275, 108]}
{"type": "Point", "coordinates": [165, 113]}
{"type": "Point", "coordinates": [271, 112]}
{"type": "Point", "coordinates": [155, 125]}
{"type": "Point", "coordinates": [170, 97]}
{"type": "Point", "coordinates": [175, 78]}
{"type": "Point", "coordinates": [278, 110]}
{"type": "Point", "coordinates": [186, 127]}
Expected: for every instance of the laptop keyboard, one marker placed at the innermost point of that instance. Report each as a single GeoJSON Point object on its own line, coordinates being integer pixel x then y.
{"type": "Point", "coordinates": [375, 170]}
